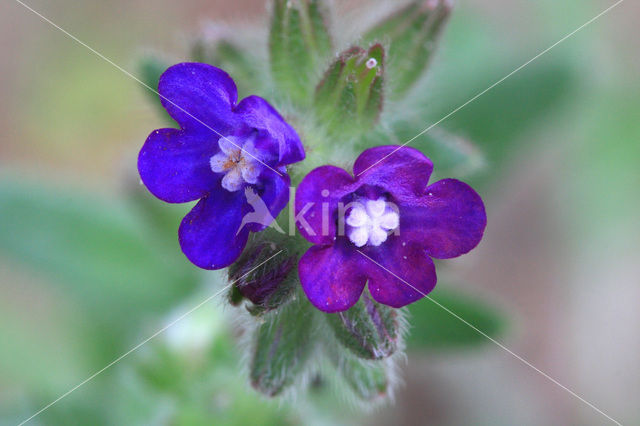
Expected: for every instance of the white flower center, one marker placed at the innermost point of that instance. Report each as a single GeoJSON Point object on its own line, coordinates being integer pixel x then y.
{"type": "Point", "coordinates": [369, 222]}
{"type": "Point", "coordinates": [237, 159]}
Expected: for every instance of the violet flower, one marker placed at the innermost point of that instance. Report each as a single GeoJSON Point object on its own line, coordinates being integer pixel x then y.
{"type": "Point", "coordinates": [394, 222]}
{"type": "Point", "coordinates": [229, 156]}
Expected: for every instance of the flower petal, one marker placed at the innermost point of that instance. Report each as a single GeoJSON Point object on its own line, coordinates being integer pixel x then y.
{"type": "Point", "coordinates": [267, 200]}
{"type": "Point", "coordinates": [195, 93]}
{"type": "Point", "coordinates": [331, 276]}
{"type": "Point", "coordinates": [218, 162]}
{"type": "Point", "coordinates": [281, 139]}
{"type": "Point", "coordinates": [389, 221]}
{"type": "Point", "coordinates": [357, 216]}
{"type": "Point", "coordinates": [358, 236]}
{"type": "Point", "coordinates": [231, 145]}
{"type": "Point", "coordinates": [210, 235]}
{"type": "Point", "coordinates": [376, 208]}
{"type": "Point", "coordinates": [317, 196]}
{"type": "Point", "coordinates": [377, 236]}
{"type": "Point", "coordinates": [448, 221]}
{"type": "Point", "coordinates": [232, 181]}
{"type": "Point", "coordinates": [175, 165]}
{"type": "Point", "coordinates": [402, 274]}
{"type": "Point", "coordinates": [403, 171]}
{"type": "Point", "coordinates": [251, 171]}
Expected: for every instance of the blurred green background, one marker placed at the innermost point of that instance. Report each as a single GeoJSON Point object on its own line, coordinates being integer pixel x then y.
{"type": "Point", "coordinates": [89, 266]}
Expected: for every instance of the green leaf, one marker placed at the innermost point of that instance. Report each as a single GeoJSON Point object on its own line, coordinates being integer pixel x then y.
{"type": "Point", "coordinates": [499, 117]}
{"type": "Point", "coordinates": [282, 346]}
{"type": "Point", "coordinates": [606, 157]}
{"type": "Point", "coordinates": [454, 154]}
{"type": "Point", "coordinates": [299, 42]}
{"type": "Point", "coordinates": [239, 63]}
{"type": "Point", "coordinates": [495, 123]}
{"type": "Point", "coordinates": [161, 218]}
{"type": "Point", "coordinates": [199, 385]}
{"type": "Point", "coordinates": [412, 34]}
{"type": "Point", "coordinates": [162, 369]}
{"type": "Point", "coordinates": [94, 248]}
{"type": "Point", "coordinates": [151, 68]}
{"type": "Point", "coordinates": [350, 97]}
{"type": "Point", "coordinates": [432, 327]}
{"type": "Point", "coordinates": [474, 59]}
{"type": "Point", "coordinates": [317, 15]}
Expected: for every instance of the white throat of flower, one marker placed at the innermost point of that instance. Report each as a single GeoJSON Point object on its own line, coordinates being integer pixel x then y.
{"type": "Point", "coordinates": [370, 221]}
{"type": "Point", "coordinates": [237, 160]}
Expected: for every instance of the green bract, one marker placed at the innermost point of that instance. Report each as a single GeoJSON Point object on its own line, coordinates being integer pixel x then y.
{"type": "Point", "coordinates": [349, 98]}
{"type": "Point", "coordinates": [299, 42]}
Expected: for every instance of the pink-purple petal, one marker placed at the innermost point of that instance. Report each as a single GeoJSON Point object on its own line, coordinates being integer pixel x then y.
{"type": "Point", "coordinates": [317, 197]}
{"type": "Point", "coordinates": [399, 274]}
{"type": "Point", "coordinates": [448, 221]}
{"type": "Point", "coordinates": [175, 165]}
{"type": "Point", "coordinates": [200, 96]}
{"type": "Point", "coordinates": [332, 277]}
{"type": "Point", "coordinates": [403, 171]}
{"type": "Point", "coordinates": [258, 114]}
{"type": "Point", "coordinates": [210, 235]}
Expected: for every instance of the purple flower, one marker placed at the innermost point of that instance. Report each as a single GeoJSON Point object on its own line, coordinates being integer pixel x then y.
{"type": "Point", "coordinates": [231, 156]}
{"type": "Point", "coordinates": [381, 228]}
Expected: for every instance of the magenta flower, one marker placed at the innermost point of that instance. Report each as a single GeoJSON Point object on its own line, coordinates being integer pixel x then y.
{"type": "Point", "coordinates": [226, 155]}
{"type": "Point", "coordinates": [381, 228]}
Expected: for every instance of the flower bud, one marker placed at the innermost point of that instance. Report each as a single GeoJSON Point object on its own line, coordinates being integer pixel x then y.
{"type": "Point", "coordinates": [370, 330]}
{"type": "Point", "coordinates": [267, 286]}
{"type": "Point", "coordinates": [411, 35]}
{"type": "Point", "coordinates": [350, 96]}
